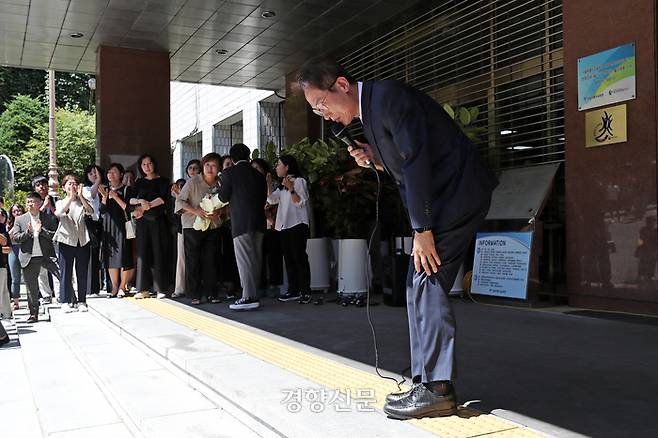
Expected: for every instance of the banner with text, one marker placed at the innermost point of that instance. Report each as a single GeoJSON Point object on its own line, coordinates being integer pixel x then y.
{"type": "Point", "coordinates": [501, 264]}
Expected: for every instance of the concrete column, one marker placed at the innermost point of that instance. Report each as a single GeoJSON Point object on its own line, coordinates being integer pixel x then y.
{"type": "Point", "coordinates": [611, 190]}
{"type": "Point", "coordinates": [132, 104]}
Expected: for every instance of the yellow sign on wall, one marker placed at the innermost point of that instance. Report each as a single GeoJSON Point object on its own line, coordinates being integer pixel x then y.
{"type": "Point", "coordinates": [605, 126]}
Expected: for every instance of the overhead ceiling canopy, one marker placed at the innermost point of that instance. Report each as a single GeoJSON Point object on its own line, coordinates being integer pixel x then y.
{"type": "Point", "coordinates": [232, 43]}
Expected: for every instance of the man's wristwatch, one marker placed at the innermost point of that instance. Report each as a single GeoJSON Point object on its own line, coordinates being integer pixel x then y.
{"type": "Point", "coordinates": [422, 230]}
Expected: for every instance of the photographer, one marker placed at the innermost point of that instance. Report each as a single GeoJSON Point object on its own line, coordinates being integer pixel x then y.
{"type": "Point", "coordinates": [292, 222]}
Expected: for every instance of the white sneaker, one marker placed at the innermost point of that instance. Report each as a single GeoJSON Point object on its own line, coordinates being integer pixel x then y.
{"type": "Point", "coordinates": [160, 295]}
{"type": "Point", "coordinates": [245, 304]}
{"type": "Point", "coordinates": [66, 308]}
{"type": "Point", "coordinates": [82, 307]}
{"type": "Point", "coordinates": [142, 295]}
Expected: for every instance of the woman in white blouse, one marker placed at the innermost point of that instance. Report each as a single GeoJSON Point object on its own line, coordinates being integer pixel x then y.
{"type": "Point", "coordinates": [292, 222]}
{"type": "Point", "coordinates": [92, 181]}
{"type": "Point", "coordinates": [73, 239]}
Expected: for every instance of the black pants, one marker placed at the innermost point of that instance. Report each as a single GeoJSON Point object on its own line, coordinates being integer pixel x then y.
{"type": "Point", "coordinates": [293, 244]}
{"type": "Point", "coordinates": [31, 276]}
{"type": "Point", "coordinates": [272, 270]}
{"type": "Point", "coordinates": [70, 256]}
{"type": "Point", "coordinates": [95, 229]}
{"type": "Point", "coordinates": [152, 246]}
{"type": "Point", "coordinates": [201, 249]}
{"type": "Point", "coordinates": [228, 266]}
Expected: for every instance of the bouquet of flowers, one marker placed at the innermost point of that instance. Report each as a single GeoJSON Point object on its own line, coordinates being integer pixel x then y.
{"type": "Point", "coordinates": [209, 204]}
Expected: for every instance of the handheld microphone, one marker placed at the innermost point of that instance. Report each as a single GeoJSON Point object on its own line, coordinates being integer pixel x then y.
{"type": "Point", "coordinates": [340, 132]}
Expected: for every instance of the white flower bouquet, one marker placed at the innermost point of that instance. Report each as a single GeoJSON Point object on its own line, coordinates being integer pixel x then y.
{"type": "Point", "coordinates": [209, 204]}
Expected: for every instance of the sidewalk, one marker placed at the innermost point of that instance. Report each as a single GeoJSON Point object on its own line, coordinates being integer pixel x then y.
{"type": "Point", "coordinates": [155, 368]}
{"type": "Point", "coordinates": [76, 377]}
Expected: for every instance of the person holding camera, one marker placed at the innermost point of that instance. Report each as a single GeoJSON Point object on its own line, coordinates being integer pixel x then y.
{"type": "Point", "coordinates": [292, 222]}
{"type": "Point", "coordinates": [116, 244]}
{"type": "Point", "coordinates": [74, 242]}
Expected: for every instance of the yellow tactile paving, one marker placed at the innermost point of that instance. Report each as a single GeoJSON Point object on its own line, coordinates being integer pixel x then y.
{"type": "Point", "coordinates": [332, 374]}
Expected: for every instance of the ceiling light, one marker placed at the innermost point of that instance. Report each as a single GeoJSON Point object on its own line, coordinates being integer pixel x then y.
{"type": "Point", "coordinates": [507, 132]}
{"type": "Point", "coordinates": [221, 51]}
{"type": "Point", "coordinates": [268, 14]}
{"type": "Point", "coordinates": [76, 35]}
{"type": "Point", "coordinates": [518, 148]}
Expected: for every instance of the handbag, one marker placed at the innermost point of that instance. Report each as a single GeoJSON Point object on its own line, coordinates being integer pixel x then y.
{"type": "Point", "coordinates": [130, 228]}
{"type": "Point", "coordinates": [130, 225]}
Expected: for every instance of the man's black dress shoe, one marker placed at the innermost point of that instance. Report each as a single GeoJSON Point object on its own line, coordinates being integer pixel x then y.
{"type": "Point", "coordinates": [395, 396]}
{"type": "Point", "coordinates": [33, 319]}
{"type": "Point", "coordinates": [421, 402]}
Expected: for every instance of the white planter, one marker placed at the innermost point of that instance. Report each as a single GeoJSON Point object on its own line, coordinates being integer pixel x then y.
{"type": "Point", "coordinates": [318, 259]}
{"type": "Point", "coordinates": [404, 245]}
{"type": "Point", "coordinates": [333, 263]}
{"type": "Point", "coordinates": [353, 267]}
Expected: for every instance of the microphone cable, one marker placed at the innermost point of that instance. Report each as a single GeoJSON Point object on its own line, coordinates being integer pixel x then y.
{"type": "Point", "coordinates": [340, 132]}
{"type": "Point", "coordinates": [368, 315]}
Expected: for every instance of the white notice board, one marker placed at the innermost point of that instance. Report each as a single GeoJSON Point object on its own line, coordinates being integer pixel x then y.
{"type": "Point", "coordinates": [501, 264]}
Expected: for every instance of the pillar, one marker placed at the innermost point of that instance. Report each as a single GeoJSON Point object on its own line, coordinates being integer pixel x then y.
{"type": "Point", "coordinates": [132, 104]}
{"type": "Point", "coordinates": [611, 190]}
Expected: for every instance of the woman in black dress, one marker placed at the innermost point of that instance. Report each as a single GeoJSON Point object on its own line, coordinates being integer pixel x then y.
{"type": "Point", "coordinates": [117, 250]}
{"type": "Point", "coordinates": [149, 195]}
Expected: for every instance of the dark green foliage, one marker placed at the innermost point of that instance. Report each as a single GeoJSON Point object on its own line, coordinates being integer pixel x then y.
{"type": "Point", "coordinates": [72, 90]}
{"type": "Point", "coordinates": [18, 123]}
{"type": "Point", "coordinates": [76, 148]}
{"type": "Point", "coordinates": [25, 81]}
{"type": "Point", "coordinates": [342, 194]}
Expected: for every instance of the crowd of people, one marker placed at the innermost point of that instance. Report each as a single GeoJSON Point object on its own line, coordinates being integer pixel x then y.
{"type": "Point", "coordinates": [220, 233]}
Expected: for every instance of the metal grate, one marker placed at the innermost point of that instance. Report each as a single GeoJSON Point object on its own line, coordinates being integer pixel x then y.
{"type": "Point", "coordinates": [226, 135]}
{"type": "Point", "coordinates": [502, 56]}
{"type": "Point", "coordinates": [272, 124]}
{"type": "Point", "coordinates": [192, 148]}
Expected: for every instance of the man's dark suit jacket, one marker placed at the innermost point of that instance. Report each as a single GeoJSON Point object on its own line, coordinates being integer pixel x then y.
{"type": "Point", "coordinates": [21, 236]}
{"type": "Point", "coordinates": [441, 178]}
{"type": "Point", "coordinates": [443, 182]}
{"type": "Point", "coordinates": [245, 189]}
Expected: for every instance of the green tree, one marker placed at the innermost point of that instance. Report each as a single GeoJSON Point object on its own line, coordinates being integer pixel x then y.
{"type": "Point", "coordinates": [76, 137]}
{"type": "Point", "coordinates": [18, 123]}
{"type": "Point", "coordinates": [72, 89]}
{"type": "Point", "coordinates": [25, 81]}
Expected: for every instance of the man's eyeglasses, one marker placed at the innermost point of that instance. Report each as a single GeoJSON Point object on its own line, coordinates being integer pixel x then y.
{"type": "Point", "coordinates": [321, 106]}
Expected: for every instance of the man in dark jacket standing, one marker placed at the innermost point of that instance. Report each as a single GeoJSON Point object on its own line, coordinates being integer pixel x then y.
{"type": "Point", "coordinates": [34, 232]}
{"type": "Point", "coordinates": [447, 191]}
{"type": "Point", "coordinates": [245, 189]}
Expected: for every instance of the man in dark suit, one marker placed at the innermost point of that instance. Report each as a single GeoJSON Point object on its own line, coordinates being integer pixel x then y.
{"type": "Point", "coordinates": [46, 283]}
{"type": "Point", "coordinates": [34, 232]}
{"type": "Point", "coordinates": [245, 189]}
{"type": "Point", "coordinates": [446, 189]}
